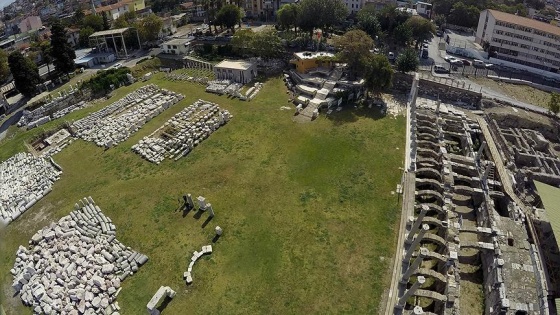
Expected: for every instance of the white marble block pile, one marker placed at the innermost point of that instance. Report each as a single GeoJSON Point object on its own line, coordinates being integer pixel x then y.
{"type": "Point", "coordinates": [24, 179]}
{"type": "Point", "coordinates": [187, 275]}
{"type": "Point", "coordinates": [75, 265]}
{"type": "Point", "coordinates": [118, 121]}
{"type": "Point", "coordinates": [218, 86]}
{"type": "Point", "coordinates": [56, 108]}
{"type": "Point", "coordinates": [252, 92]}
{"type": "Point", "coordinates": [180, 134]}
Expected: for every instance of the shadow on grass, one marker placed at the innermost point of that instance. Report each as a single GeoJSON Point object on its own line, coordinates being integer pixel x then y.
{"type": "Point", "coordinates": [350, 114]}
{"type": "Point", "coordinates": [207, 221]}
{"type": "Point", "coordinates": [164, 304]}
{"type": "Point", "coordinates": [216, 238]}
{"type": "Point", "coordinates": [198, 214]}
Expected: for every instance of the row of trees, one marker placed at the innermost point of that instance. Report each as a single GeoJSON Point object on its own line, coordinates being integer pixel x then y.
{"type": "Point", "coordinates": [308, 15]}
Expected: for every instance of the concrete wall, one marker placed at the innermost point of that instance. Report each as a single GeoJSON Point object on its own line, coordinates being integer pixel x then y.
{"type": "Point", "coordinates": [446, 93]}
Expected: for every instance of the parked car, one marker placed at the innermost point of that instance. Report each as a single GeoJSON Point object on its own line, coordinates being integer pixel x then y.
{"type": "Point", "coordinates": [447, 58]}
{"type": "Point", "coordinates": [425, 45]}
{"type": "Point", "coordinates": [479, 63]}
{"type": "Point", "coordinates": [391, 56]}
{"type": "Point", "coordinates": [440, 69]}
{"type": "Point", "coordinates": [466, 62]}
{"type": "Point", "coordinates": [456, 62]}
{"type": "Point", "coordinates": [117, 65]}
{"type": "Point", "coordinates": [439, 33]}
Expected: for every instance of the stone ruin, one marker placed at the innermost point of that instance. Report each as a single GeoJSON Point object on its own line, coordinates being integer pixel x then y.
{"type": "Point", "coordinates": [463, 229]}
{"type": "Point", "coordinates": [24, 179]}
{"type": "Point", "coordinates": [118, 121]}
{"type": "Point", "coordinates": [162, 292]}
{"type": "Point", "coordinates": [206, 250]}
{"type": "Point", "coordinates": [180, 134]}
{"type": "Point", "coordinates": [75, 266]}
{"type": "Point", "coordinates": [55, 108]}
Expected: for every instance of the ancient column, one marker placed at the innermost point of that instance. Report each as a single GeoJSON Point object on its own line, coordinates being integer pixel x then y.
{"type": "Point", "coordinates": [408, 293]}
{"type": "Point", "coordinates": [412, 268]}
{"type": "Point", "coordinates": [190, 201]}
{"type": "Point", "coordinates": [416, 241]}
{"type": "Point", "coordinates": [479, 153]}
{"type": "Point", "coordinates": [210, 209]}
{"type": "Point", "coordinates": [416, 226]}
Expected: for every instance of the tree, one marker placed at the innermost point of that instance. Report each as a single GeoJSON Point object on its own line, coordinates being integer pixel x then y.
{"type": "Point", "coordinates": [4, 68]}
{"type": "Point", "coordinates": [267, 44]}
{"type": "Point", "coordinates": [353, 46]}
{"type": "Point", "coordinates": [389, 18]}
{"type": "Point", "coordinates": [554, 103]}
{"type": "Point", "coordinates": [402, 35]}
{"type": "Point", "coordinates": [378, 73]}
{"type": "Point", "coordinates": [321, 14]}
{"type": "Point", "coordinates": [93, 21]}
{"type": "Point", "coordinates": [79, 16]}
{"type": "Point", "coordinates": [84, 36]}
{"type": "Point", "coordinates": [149, 27]}
{"type": "Point", "coordinates": [367, 21]}
{"type": "Point", "coordinates": [440, 19]}
{"type": "Point", "coordinates": [287, 16]}
{"type": "Point", "coordinates": [106, 23]}
{"type": "Point", "coordinates": [228, 16]}
{"type": "Point", "coordinates": [120, 22]}
{"type": "Point", "coordinates": [25, 72]}
{"type": "Point", "coordinates": [46, 55]}
{"type": "Point", "coordinates": [463, 15]}
{"type": "Point", "coordinates": [62, 53]}
{"type": "Point", "coordinates": [242, 41]}
{"type": "Point", "coordinates": [407, 61]}
{"type": "Point", "coordinates": [422, 28]}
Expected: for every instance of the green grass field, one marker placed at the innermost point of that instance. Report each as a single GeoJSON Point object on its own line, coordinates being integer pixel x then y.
{"type": "Point", "coordinates": [308, 213]}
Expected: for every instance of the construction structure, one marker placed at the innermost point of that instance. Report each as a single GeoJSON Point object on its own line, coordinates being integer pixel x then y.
{"type": "Point", "coordinates": [468, 244]}
{"type": "Point", "coordinates": [113, 41]}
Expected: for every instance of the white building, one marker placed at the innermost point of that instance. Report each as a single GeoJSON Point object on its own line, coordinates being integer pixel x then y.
{"type": "Point", "coordinates": [178, 46]}
{"type": "Point", "coordinates": [237, 71]}
{"type": "Point", "coordinates": [519, 40]}
{"type": "Point", "coordinates": [354, 5]}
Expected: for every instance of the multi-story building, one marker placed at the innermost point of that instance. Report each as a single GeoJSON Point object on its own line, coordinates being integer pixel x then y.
{"type": "Point", "coordinates": [30, 23]}
{"type": "Point", "coordinates": [519, 40]}
{"type": "Point", "coordinates": [117, 9]}
{"type": "Point", "coordinates": [354, 5]}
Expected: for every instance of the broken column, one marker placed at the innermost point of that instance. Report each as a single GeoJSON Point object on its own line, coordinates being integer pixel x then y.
{"type": "Point", "coordinates": [414, 266]}
{"type": "Point", "coordinates": [210, 210]}
{"type": "Point", "coordinates": [418, 310]}
{"type": "Point", "coordinates": [190, 201]}
{"type": "Point", "coordinates": [201, 203]}
{"type": "Point", "coordinates": [408, 293]}
{"type": "Point", "coordinates": [417, 223]}
{"type": "Point", "coordinates": [416, 241]}
{"type": "Point", "coordinates": [480, 150]}
{"type": "Point", "coordinates": [219, 231]}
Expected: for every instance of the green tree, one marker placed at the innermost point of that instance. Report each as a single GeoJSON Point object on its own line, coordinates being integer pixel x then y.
{"type": "Point", "coordinates": [389, 18]}
{"type": "Point", "coordinates": [266, 44]}
{"type": "Point", "coordinates": [321, 14]}
{"type": "Point", "coordinates": [120, 22]}
{"type": "Point", "coordinates": [378, 73]}
{"type": "Point", "coordinates": [353, 46]}
{"type": "Point", "coordinates": [287, 16]}
{"type": "Point", "coordinates": [228, 16]}
{"type": "Point", "coordinates": [241, 42]}
{"type": "Point", "coordinates": [407, 61]}
{"type": "Point", "coordinates": [422, 28]}
{"type": "Point", "coordinates": [367, 21]}
{"type": "Point", "coordinates": [84, 36]}
{"type": "Point", "coordinates": [62, 53]}
{"type": "Point", "coordinates": [79, 16]}
{"type": "Point", "coordinates": [149, 27]}
{"type": "Point", "coordinates": [463, 15]}
{"type": "Point", "coordinates": [440, 19]}
{"type": "Point", "coordinates": [402, 35]}
{"type": "Point", "coordinates": [93, 21]}
{"type": "Point", "coordinates": [4, 68]}
{"type": "Point", "coordinates": [46, 54]}
{"type": "Point", "coordinates": [554, 103]}
{"type": "Point", "coordinates": [25, 72]}
{"type": "Point", "coordinates": [106, 23]}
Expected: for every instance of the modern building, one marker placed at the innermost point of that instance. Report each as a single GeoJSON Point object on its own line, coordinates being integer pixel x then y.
{"type": "Point", "coordinates": [237, 71]}
{"type": "Point", "coordinates": [117, 9]}
{"type": "Point", "coordinates": [305, 61]}
{"type": "Point", "coordinates": [519, 40]}
{"type": "Point", "coordinates": [30, 23]}
{"type": "Point", "coordinates": [424, 9]}
{"type": "Point", "coordinates": [178, 46]}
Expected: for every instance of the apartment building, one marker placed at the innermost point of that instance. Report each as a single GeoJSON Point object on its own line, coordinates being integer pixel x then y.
{"type": "Point", "coordinates": [120, 8]}
{"type": "Point", "coordinates": [520, 40]}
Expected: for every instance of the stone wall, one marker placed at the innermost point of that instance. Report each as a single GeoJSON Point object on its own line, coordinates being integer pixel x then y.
{"type": "Point", "coordinates": [430, 89]}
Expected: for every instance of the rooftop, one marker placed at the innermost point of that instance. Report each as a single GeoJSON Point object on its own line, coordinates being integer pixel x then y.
{"type": "Point", "coordinates": [523, 21]}
{"type": "Point", "coordinates": [110, 32]}
{"type": "Point", "coordinates": [232, 64]}
{"type": "Point", "coordinates": [312, 55]}
{"type": "Point", "coordinates": [177, 41]}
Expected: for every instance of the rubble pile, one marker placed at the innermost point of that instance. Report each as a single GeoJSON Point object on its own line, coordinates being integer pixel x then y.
{"type": "Point", "coordinates": [24, 179]}
{"type": "Point", "coordinates": [180, 134]}
{"type": "Point", "coordinates": [75, 266]}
